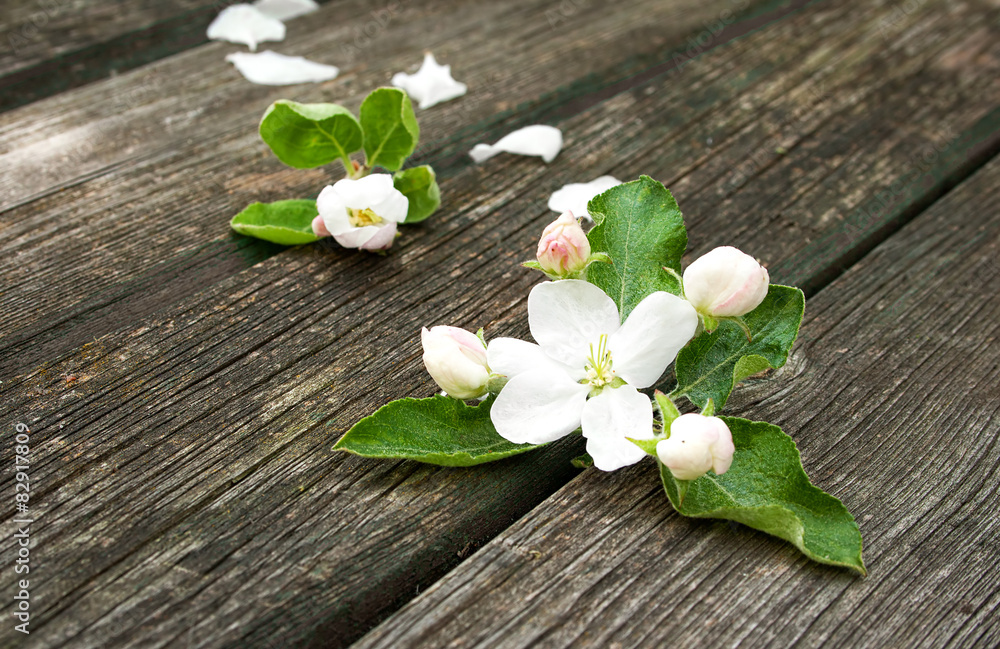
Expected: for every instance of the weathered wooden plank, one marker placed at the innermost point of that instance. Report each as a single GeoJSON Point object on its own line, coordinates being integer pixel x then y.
{"type": "Point", "coordinates": [138, 240]}
{"type": "Point", "coordinates": [49, 46]}
{"type": "Point", "coordinates": [208, 429]}
{"type": "Point", "coordinates": [892, 396]}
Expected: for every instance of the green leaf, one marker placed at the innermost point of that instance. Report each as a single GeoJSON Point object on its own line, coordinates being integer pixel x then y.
{"type": "Point", "coordinates": [286, 222]}
{"type": "Point", "coordinates": [583, 461]}
{"type": "Point", "coordinates": [419, 185]}
{"type": "Point", "coordinates": [309, 135]}
{"type": "Point", "coordinates": [641, 228]}
{"type": "Point", "coordinates": [710, 366]}
{"type": "Point", "coordinates": [438, 430]}
{"type": "Point", "coordinates": [767, 489]}
{"type": "Point", "coordinates": [390, 128]}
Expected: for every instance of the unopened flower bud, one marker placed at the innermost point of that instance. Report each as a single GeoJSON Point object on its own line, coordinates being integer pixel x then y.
{"type": "Point", "coordinates": [563, 250]}
{"type": "Point", "coordinates": [725, 283]}
{"type": "Point", "coordinates": [697, 443]}
{"type": "Point", "coordinates": [456, 360]}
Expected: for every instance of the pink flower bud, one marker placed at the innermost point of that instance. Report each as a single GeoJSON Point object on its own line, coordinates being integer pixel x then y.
{"type": "Point", "coordinates": [697, 443]}
{"type": "Point", "coordinates": [725, 283]}
{"type": "Point", "coordinates": [563, 250]}
{"type": "Point", "coordinates": [456, 360]}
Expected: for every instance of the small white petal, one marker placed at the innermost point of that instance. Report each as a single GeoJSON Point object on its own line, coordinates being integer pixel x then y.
{"type": "Point", "coordinates": [567, 316]}
{"type": "Point", "coordinates": [482, 152]}
{"type": "Point", "coordinates": [650, 338]}
{"type": "Point", "coordinates": [575, 196]}
{"type": "Point", "coordinates": [510, 357]}
{"type": "Point", "coordinates": [245, 24]}
{"type": "Point", "coordinates": [364, 192]}
{"type": "Point", "coordinates": [272, 69]}
{"type": "Point", "coordinates": [535, 140]}
{"type": "Point", "coordinates": [431, 84]}
{"type": "Point", "coordinates": [609, 418]}
{"type": "Point", "coordinates": [538, 407]}
{"type": "Point", "coordinates": [285, 9]}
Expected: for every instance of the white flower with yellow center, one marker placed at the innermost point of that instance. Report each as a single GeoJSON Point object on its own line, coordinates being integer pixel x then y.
{"type": "Point", "coordinates": [361, 213]}
{"type": "Point", "coordinates": [587, 369]}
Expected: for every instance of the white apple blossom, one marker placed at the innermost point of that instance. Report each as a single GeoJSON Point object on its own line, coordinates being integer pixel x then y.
{"type": "Point", "coordinates": [575, 196]}
{"type": "Point", "coordinates": [361, 213]}
{"type": "Point", "coordinates": [586, 369]}
{"type": "Point", "coordinates": [456, 360]}
{"type": "Point", "coordinates": [725, 283]}
{"type": "Point", "coordinates": [697, 444]}
{"type": "Point", "coordinates": [431, 84]}
{"type": "Point", "coordinates": [243, 23]}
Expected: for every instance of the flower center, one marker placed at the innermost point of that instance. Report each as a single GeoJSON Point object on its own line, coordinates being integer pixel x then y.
{"type": "Point", "coordinates": [598, 367]}
{"type": "Point", "coordinates": [361, 218]}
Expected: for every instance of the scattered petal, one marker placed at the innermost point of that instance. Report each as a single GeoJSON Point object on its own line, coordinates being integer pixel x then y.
{"type": "Point", "coordinates": [431, 84]}
{"type": "Point", "coordinates": [245, 24]}
{"type": "Point", "coordinates": [609, 418]}
{"type": "Point", "coordinates": [285, 9]}
{"type": "Point", "coordinates": [575, 196]}
{"type": "Point", "coordinates": [536, 140]}
{"type": "Point", "coordinates": [272, 69]}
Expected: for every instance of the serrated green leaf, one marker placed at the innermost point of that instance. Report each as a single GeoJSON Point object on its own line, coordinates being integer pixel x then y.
{"type": "Point", "coordinates": [390, 128]}
{"type": "Point", "coordinates": [438, 430]}
{"type": "Point", "coordinates": [420, 187]}
{"type": "Point", "coordinates": [286, 222]}
{"type": "Point", "coordinates": [709, 366]}
{"type": "Point", "coordinates": [309, 135]}
{"type": "Point", "coordinates": [641, 228]}
{"type": "Point", "coordinates": [767, 489]}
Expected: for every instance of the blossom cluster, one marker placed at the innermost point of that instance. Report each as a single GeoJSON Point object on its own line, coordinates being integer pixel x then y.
{"type": "Point", "coordinates": [585, 370]}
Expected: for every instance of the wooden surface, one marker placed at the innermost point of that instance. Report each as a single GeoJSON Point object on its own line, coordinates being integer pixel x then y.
{"type": "Point", "coordinates": [893, 396]}
{"type": "Point", "coordinates": [186, 493]}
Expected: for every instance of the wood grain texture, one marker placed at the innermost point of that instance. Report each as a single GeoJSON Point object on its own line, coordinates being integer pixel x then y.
{"type": "Point", "coordinates": [49, 46]}
{"type": "Point", "coordinates": [139, 238]}
{"type": "Point", "coordinates": [892, 397]}
{"type": "Point", "coordinates": [145, 223]}
{"type": "Point", "coordinates": [186, 492]}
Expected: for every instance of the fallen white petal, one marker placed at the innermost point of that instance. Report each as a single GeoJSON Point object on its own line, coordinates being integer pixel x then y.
{"type": "Point", "coordinates": [245, 23]}
{"type": "Point", "coordinates": [536, 140]}
{"type": "Point", "coordinates": [272, 69]}
{"type": "Point", "coordinates": [285, 9]}
{"type": "Point", "coordinates": [431, 84]}
{"type": "Point", "coordinates": [575, 196]}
